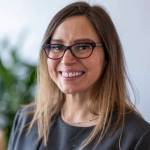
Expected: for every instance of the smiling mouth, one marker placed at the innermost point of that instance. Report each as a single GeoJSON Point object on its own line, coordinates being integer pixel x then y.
{"type": "Point", "coordinates": [71, 74]}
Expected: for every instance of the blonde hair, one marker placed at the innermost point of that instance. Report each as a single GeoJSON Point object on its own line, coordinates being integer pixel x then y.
{"type": "Point", "coordinates": [109, 94]}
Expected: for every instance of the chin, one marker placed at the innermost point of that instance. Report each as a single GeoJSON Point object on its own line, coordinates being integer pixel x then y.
{"type": "Point", "coordinates": [72, 91]}
{"type": "Point", "coordinates": [69, 91]}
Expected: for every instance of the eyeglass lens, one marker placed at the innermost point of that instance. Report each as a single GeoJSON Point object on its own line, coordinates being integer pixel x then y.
{"type": "Point", "coordinates": [79, 50]}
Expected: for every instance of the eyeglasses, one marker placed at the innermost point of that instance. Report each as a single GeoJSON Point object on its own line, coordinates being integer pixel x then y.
{"type": "Point", "coordinates": [78, 50]}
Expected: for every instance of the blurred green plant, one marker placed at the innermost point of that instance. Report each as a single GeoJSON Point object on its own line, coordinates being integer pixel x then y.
{"type": "Point", "coordinates": [17, 83]}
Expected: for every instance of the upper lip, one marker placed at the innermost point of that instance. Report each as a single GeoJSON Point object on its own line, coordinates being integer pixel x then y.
{"type": "Point", "coordinates": [70, 70]}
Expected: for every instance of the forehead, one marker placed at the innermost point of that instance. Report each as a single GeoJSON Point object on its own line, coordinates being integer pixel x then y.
{"type": "Point", "coordinates": [74, 28]}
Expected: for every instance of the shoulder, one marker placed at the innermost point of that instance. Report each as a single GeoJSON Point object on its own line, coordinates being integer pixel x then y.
{"type": "Point", "coordinates": [135, 130]}
{"type": "Point", "coordinates": [136, 123]}
{"type": "Point", "coordinates": [27, 109]}
{"type": "Point", "coordinates": [24, 116]}
{"type": "Point", "coordinates": [20, 128]}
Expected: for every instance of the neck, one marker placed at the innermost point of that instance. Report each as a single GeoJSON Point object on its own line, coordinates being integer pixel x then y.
{"type": "Point", "coordinates": [76, 111]}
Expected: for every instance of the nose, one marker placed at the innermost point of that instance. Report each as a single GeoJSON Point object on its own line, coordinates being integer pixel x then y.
{"type": "Point", "coordinates": [68, 58]}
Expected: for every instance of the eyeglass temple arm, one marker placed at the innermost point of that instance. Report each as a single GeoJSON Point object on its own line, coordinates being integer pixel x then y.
{"type": "Point", "coordinates": [99, 45]}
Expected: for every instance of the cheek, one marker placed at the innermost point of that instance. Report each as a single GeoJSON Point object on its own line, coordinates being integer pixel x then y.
{"type": "Point", "coordinates": [98, 65]}
{"type": "Point", "coordinates": [52, 67]}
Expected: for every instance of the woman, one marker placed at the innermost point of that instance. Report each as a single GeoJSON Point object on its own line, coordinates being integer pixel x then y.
{"type": "Point", "coordinates": [82, 100]}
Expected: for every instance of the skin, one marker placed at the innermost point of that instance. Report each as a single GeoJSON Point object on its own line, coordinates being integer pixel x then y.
{"type": "Point", "coordinates": [76, 89]}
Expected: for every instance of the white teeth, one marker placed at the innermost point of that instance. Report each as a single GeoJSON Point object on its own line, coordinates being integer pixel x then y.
{"type": "Point", "coordinates": [71, 74]}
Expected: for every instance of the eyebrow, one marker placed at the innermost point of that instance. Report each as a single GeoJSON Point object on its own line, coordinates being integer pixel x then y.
{"type": "Point", "coordinates": [75, 41]}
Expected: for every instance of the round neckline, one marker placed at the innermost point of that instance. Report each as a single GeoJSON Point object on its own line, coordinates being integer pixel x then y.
{"type": "Point", "coordinates": [73, 126]}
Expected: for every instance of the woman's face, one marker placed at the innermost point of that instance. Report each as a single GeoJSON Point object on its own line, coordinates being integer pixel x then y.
{"type": "Point", "coordinates": [73, 75]}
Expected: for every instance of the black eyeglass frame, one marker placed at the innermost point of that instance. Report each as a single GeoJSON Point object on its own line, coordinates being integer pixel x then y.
{"type": "Point", "coordinates": [93, 45]}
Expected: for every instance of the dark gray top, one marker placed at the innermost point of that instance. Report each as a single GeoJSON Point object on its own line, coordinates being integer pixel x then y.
{"type": "Point", "coordinates": [135, 135]}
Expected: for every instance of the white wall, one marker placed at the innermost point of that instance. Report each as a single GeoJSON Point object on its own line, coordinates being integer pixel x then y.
{"type": "Point", "coordinates": [29, 18]}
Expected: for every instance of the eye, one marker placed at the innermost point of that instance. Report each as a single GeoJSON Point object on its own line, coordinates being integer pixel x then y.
{"type": "Point", "coordinates": [56, 48]}
{"type": "Point", "coordinates": [82, 46]}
